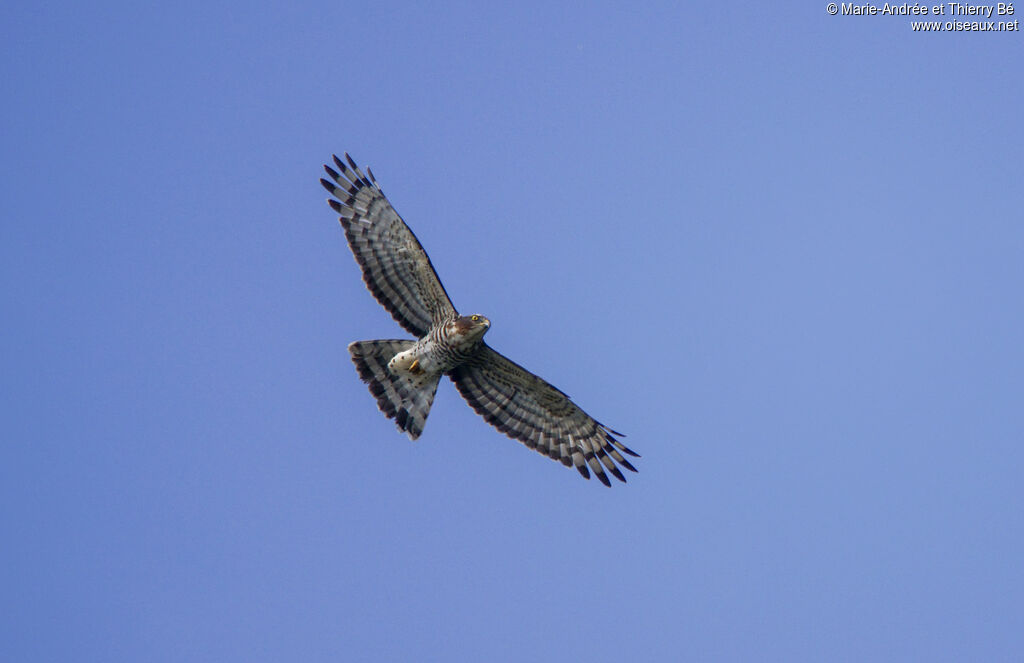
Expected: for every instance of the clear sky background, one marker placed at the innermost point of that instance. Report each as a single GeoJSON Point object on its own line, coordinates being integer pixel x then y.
{"type": "Point", "coordinates": [782, 250]}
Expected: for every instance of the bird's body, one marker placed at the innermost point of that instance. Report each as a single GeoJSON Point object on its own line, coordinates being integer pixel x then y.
{"type": "Point", "coordinates": [445, 346]}
{"type": "Point", "coordinates": [403, 374]}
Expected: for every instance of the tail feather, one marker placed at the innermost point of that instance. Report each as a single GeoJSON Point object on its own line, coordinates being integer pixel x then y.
{"type": "Point", "coordinates": [405, 398]}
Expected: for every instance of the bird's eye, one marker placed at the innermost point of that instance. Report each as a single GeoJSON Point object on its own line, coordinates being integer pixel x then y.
{"type": "Point", "coordinates": [476, 318]}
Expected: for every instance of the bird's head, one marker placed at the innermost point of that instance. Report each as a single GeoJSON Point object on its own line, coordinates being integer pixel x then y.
{"type": "Point", "coordinates": [471, 328]}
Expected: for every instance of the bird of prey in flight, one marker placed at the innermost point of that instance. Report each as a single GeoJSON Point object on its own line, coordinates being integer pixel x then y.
{"type": "Point", "coordinates": [403, 374]}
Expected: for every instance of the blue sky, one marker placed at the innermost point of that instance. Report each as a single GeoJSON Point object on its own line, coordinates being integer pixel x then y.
{"type": "Point", "coordinates": [781, 250]}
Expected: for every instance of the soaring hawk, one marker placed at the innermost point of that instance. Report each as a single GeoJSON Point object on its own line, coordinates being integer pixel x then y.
{"type": "Point", "coordinates": [403, 374]}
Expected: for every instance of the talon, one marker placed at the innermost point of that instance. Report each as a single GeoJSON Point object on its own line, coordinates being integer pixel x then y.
{"type": "Point", "coordinates": [415, 367]}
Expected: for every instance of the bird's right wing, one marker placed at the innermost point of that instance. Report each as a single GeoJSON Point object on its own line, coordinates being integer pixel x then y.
{"type": "Point", "coordinates": [529, 409]}
{"type": "Point", "coordinates": [395, 267]}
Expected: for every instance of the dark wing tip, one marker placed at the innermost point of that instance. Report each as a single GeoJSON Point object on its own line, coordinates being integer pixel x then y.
{"type": "Point", "coordinates": [335, 205]}
{"type": "Point", "coordinates": [327, 185]}
{"type": "Point", "coordinates": [621, 447]}
{"type": "Point", "coordinates": [604, 479]}
{"type": "Point", "coordinates": [351, 162]}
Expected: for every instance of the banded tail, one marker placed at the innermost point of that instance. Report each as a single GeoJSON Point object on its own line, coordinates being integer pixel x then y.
{"type": "Point", "coordinates": [404, 397]}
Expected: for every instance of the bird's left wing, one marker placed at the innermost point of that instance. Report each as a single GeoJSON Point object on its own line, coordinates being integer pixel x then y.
{"type": "Point", "coordinates": [529, 409]}
{"type": "Point", "coordinates": [395, 267]}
